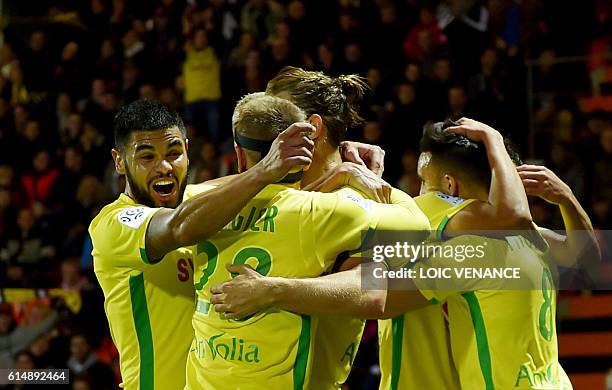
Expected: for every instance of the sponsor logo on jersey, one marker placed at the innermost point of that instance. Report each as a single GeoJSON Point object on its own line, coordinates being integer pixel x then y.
{"type": "Point", "coordinates": [133, 217]}
{"type": "Point", "coordinates": [365, 204]}
{"type": "Point", "coordinates": [234, 349]}
{"type": "Point", "coordinates": [454, 200]}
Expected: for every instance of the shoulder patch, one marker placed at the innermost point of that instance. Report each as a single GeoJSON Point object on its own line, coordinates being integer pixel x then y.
{"type": "Point", "coordinates": [133, 217]}
{"type": "Point", "coordinates": [454, 200]}
{"type": "Point", "coordinates": [366, 204]}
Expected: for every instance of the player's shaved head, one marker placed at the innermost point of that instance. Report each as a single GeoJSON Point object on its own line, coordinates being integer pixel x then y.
{"type": "Point", "coordinates": [263, 117]}
{"type": "Point", "coordinates": [257, 120]}
{"type": "Point", "coordinates": [335, 99]}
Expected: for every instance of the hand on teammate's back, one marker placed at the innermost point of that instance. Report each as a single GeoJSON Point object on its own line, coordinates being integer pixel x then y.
{"type": "Point", "coordinates": [356, 176]}
{"type": "Point", "coordinates": [242, 296]}
{"type": "Point", "coordinates": [292, 148]}
{"type": "Point", "coordinates": [474, 130]}
{"type": "Point", "coordinates": [542, 182]}
{"type": "Point", "coordinates": [370, 156]}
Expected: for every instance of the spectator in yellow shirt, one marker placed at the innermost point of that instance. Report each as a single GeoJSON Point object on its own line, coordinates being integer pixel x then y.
{"type": "Point", "coordinates": [202, 77]}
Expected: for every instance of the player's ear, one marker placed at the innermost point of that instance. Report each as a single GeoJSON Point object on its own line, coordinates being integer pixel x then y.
{"type": "Point", "coordinates": [317, 122]}
{"type": "Point", "coordinates": [119, 161]}
{"type": "Point", "coordinates": [186, 144]}
{"type": "Point", "coordinates": [451, 185]}
{"type": "Point", "coordinates": [241, 156]}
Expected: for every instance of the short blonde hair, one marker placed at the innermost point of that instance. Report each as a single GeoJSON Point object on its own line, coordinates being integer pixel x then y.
{"type": "Point", "coordinates": [263, 117]}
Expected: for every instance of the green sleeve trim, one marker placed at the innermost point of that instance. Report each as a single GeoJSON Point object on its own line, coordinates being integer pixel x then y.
{"type": "Point", "coordinates": [441, 227]}
{"type": "Point", "coordinates": [484, 355]}
{"type": "Point", "coordinates": [397, 329]}
{"type": "Point", "coordinates": [301, 359]}
{"type": "Point", "coordinates": [145, 257]}
{"type": "Point", "coordinates": [434, 301]}
{"type": "Point", "coordinates": [140, 312]}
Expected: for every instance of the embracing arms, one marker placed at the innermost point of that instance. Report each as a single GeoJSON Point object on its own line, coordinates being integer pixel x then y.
{"type": "Point", "coordinates": [203, 215]}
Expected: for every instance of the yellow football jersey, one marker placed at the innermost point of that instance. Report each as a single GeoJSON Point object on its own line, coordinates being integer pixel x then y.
{"type": "Point", "coordinates": [489, 349]}
{"type": "Point", "coordinates": [149, 305]}
{"type": "Point", "coordinates": [502, 330]}
{"type": "Point", "coordinates": [412, 343]}
{"type": "Point", "coordinates": [281, 232]}
{"type": "Point", "coordinates": [338, 337]}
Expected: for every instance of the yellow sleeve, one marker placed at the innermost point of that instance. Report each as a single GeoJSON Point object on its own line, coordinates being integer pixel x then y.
{"type": "Point", "coordinates": [349, 222]}
{"type": "Point", "coordinates": [402, 214]}
{"type": "Point", "coordinates": [340, 221]}
{"type": "Point", "coordinates": [118, 236]}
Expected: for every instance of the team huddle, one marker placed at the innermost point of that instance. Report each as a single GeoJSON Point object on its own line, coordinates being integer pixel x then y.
{"type": "Point", "coordinates": [254, 281]}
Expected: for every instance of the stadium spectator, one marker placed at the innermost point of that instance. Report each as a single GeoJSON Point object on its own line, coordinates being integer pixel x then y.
{"type": "Point", "coordinates": [15, 338]}
{"type": "Point", "coordinates": [238, 55]}
{"type": "Point", "coordinates": [37, 184]}
{"type": "Point", "coordinates": [326, 59]}
{"type": "Point", "coordinates": [84, 362]}
{"type": "Point", "coordinates": [259, 17]}
{"type": "Point", "coordinates": [458, 102]}
{"type": "Point", "coordinates": [82, 383]}
{"type": "Point", "coordinates": [39, 78]}
{"type": "Point", "coordinates": [25, 361]}
{"type": "Point", "coordinates": [202, 77]}
{"type": "Point", "coordinates": [69, 71]}
{"type": "Point", "coordinates": [423, 37]}
{"type": "Point", "coordinates": [26, 244]}
{"type": "Point", "coordinates": [409, 181]}
{"type": "Point", "coordinates": [72, 277]}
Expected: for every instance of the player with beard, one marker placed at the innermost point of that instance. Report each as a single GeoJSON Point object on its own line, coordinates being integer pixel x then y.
{"type": "Point", "coordinates": [140, 240]}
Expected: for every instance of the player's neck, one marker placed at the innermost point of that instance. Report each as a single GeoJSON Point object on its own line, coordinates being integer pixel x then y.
{"type": "Point", "coordinates": [128, 191]}
{"type": "Point", "coordinates": [324, 160]}
{"type": "Point", "coordinates": [474, 193]}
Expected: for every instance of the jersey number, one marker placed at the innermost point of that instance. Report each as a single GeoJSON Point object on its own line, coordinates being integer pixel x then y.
{"type": "Point", "coordinates": [262, 256]}
{"type": "Point", "coordinates": [546, 310]}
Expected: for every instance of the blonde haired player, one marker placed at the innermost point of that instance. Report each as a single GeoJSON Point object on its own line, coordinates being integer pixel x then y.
{"type": "Point", "coordinates": [408, 341]}
{"type": "Point", "coordinates": [281, 232]}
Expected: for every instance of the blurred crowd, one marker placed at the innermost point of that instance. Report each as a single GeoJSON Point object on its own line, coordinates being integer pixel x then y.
{"type": "Point", "coordinates": [517, 65]}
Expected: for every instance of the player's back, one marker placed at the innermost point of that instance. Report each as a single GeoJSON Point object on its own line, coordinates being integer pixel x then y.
{"type": "Point", "coordinates": [490, 312]}
{"type": "Point", "coordinates": [523, 310]}
{"type": "Point", "coordinates": [412, 343]}
{"type": "Point", "coordinates": [339, 337]}
{"type": "Point", "coordinates": [281, 232]}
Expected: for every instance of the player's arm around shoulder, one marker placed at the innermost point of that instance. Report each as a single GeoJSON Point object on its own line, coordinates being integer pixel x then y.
{"type": "Point", "coordinates": [201, 216]}
{"type": "Point", "coordinates": [408, 215]}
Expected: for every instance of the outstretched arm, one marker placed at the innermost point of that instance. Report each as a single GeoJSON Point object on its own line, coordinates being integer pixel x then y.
{"type": "Point", "coordinates": [201, 216]}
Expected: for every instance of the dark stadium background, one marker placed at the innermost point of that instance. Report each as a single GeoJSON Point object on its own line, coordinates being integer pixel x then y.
{"type": "Point", "coordinates": [538, 70]}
